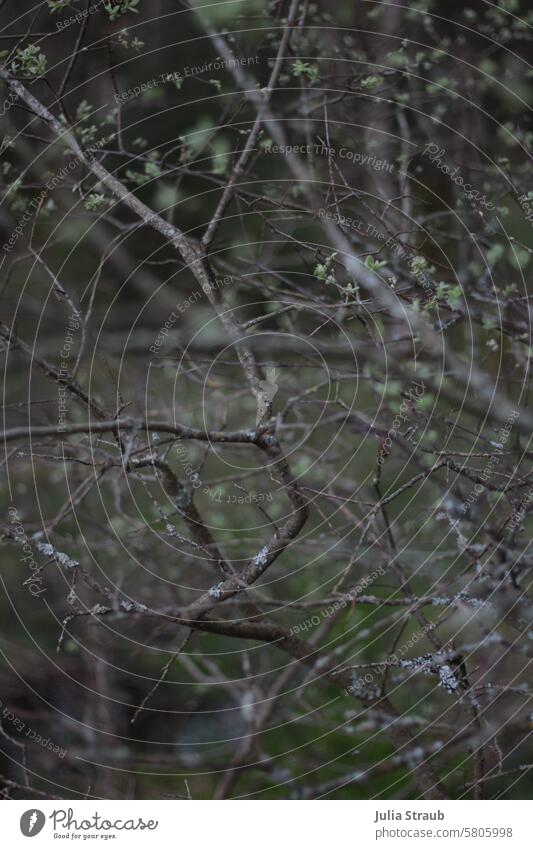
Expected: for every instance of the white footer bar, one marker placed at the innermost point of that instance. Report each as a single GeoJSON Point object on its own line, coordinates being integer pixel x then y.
{"type": "Point", "coordinates": [267, 824]}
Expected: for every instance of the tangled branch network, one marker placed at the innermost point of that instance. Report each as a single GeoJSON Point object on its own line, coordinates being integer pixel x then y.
{"type": "Point", "coordinates": [266, 348]}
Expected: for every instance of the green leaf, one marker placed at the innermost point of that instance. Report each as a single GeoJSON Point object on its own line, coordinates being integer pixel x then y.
{"type": "Point", "coordinates": [374, 264]}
